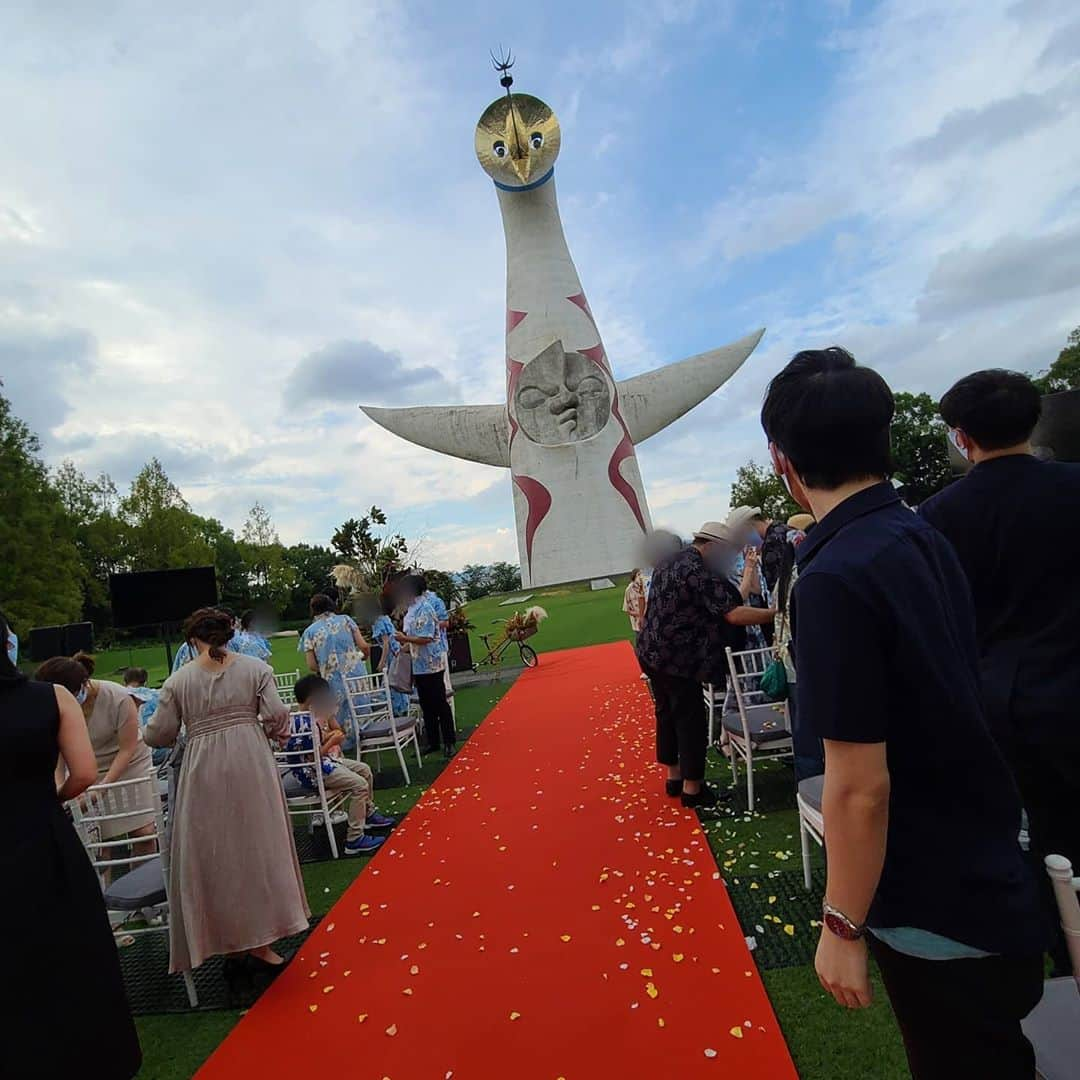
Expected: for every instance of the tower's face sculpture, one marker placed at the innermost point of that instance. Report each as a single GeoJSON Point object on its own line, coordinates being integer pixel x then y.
{"type": "Point", "coordinates": [517, 141]}
{"type": "Point", "coordinates": [561, 397]}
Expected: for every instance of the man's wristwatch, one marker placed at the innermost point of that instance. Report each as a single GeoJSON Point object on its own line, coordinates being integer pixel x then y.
{"type": "Point", "coordinates": [836, 922]}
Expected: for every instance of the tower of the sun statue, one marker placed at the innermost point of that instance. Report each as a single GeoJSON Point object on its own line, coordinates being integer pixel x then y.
{"type": "Point", "coordinates": [568, 429]}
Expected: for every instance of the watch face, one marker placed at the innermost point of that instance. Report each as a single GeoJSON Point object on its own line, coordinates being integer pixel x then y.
{"type": "Point", "coordinates": [840, 927]}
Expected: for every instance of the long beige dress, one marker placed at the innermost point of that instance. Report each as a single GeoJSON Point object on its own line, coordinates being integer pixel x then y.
{"type": "Point", "coordinates": [234, 879]}
{"type": "Point", "coordinates": [106, 708]}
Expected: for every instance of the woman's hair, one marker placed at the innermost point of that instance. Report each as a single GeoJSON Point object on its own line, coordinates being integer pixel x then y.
{"type": "Point", "coordinates": [213, 626]}
{"type": "Point", "coordinates": [387, 603]}
{"type": "Point", "coordinates": [635, 574]}
{"type": "Point", "coordinates": [9, 673]}
{"type": "Point", "coordinates": [321, 604]}
{"type": "Point", "coordinates": [63, 671]}
{"type": "Point", "coordinates": [135, 676]}
{"type": "Point", "coordinates": [246, 619]}
{"type": "Point", "coordinates": [413, 585]}
{"type": "Point", "coordinates": [87, 662]}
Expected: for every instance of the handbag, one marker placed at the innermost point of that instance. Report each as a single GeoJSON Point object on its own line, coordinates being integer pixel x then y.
{"type": "Point", "coordinates": [774, 681]}
{"type": "Point", "coordinates": [400, 675]}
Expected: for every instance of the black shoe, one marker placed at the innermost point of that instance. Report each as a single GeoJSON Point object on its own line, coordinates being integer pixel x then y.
{"type": "Point", "coordinates": [432, 749]}
{"type": "Point", "coordinates": [449, 751]}
{"type": "Point", "coordinates": [706, 798]}
{"type": "Point", "coordinates": [673, 788]}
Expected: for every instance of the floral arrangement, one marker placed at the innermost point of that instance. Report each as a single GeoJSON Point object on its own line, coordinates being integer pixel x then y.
{"type": "Point", "coordinates": [458, 621]}
{"type": "Point", "coordinates": [528, 620]}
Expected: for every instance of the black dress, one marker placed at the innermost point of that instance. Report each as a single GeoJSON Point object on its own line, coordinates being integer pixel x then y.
{"type": "Point", "coordinates": [62, 1005]}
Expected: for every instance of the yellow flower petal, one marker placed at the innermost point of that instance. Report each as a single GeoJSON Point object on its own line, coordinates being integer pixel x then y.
{"type": "Point", "coordinates": [327, 989]}
{"type": "Point", "coordinates": [619, 942]}
{"type": "Point", "coordinates": [514, 1015]}
{"type": "Point", "coordinates": [677, 957]}
{"type": "Point", "coordinates": [313, 1008]}
{"type": "Point", "coordinates": [651, 990]}
{"type": "Point", "coordinates": [736, 1033]}
{"type": "Point", "coordinates": [414, 970]}
{"type": "Point", "coordinates": [659, 1021]}
{"type": "Point", "coordinates": [565, 937]}
{"type": "Point", "coordinates": [361, 1018]}
{"type": "Point", "coordinates": [407, 991]}
{"type": "Point", "coordinates": [789, 929]}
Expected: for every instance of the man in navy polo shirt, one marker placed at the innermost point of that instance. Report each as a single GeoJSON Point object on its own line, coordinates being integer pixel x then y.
{"type": "Point", "coordinates": [921, 814]}
{"type": "Point", "coordinates": [1013, 521]}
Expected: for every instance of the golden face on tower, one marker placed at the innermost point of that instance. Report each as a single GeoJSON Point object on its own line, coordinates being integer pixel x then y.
{"type": "Point", "coordinates": [517, 140]}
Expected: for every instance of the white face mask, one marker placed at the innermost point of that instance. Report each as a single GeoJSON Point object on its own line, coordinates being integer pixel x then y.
{"type": "Point", "coordinates": [81, 696]}
{"type": "Point", "coordinates": [954, 438]}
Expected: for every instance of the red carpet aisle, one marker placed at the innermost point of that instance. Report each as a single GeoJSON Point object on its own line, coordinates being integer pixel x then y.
{"type": "Point", "coordinates": [543, 912]}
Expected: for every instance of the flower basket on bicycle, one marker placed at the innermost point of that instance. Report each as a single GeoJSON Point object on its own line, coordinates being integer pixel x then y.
{"type": "Point", "coordinates": [516, 629]}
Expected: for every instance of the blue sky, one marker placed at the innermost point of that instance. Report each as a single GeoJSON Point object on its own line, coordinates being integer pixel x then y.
{"type": "Point", "coordinates": [222, 226]}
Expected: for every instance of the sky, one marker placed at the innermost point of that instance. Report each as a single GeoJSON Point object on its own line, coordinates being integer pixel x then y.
{"type": "Point", "coordinates": [224, 226]}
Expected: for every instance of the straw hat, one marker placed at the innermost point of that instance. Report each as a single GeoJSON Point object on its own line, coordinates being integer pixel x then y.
{"type": "Point", "coordinates": [802, 522]}
{"type": "Point", "coordinates": [713, 531]}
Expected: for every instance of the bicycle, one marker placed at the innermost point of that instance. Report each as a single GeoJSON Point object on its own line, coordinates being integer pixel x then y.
{"type": "Point", "coordinates": [495, 652]}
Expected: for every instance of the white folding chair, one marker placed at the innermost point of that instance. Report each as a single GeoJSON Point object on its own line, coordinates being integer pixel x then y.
{"type": "Point", "coordinates": [144, 888]}
{"type": "Point", "coordinates": [376, 727]}
{"type": "Point", "coordinates": [285, 684]}
{"type": "Point", "coordinates": [300, 765]}
{"type": "Point", "coordinates": [811, 821]}
{"type": "Point", "coordinates": [758, 728]}
{"type": "Point", "coordinates": [1054, 1024]}
{"type": "Point", "coordinates": [714, 702]}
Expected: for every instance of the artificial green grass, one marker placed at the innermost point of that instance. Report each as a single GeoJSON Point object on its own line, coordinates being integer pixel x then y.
{"type": "Point", "coordinates": [828, 1042]}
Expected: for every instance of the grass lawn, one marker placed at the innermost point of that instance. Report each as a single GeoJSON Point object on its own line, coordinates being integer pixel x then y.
{"type": "Point", "coordinates": [759, 854]}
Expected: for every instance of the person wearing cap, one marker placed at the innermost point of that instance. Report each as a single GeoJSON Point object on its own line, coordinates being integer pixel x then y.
{"type": "Point", "coordinates": [748, 527]}
{"type": "Point", "coordinates": [693, 614]}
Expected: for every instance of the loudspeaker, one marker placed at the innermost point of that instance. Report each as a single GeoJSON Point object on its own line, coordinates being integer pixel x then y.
{"type": "Point", "coordinates": [161, 596]}
{"type": "Point", "coordinates": [78, 637]}
{"type": "Point", "coordinates": [460, 652]}
{"type": "Point", "coordinates": [46, 642]}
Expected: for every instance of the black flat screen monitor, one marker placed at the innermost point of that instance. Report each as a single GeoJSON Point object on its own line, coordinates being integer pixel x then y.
{"type": "Point", "coordinates": [161, 596]}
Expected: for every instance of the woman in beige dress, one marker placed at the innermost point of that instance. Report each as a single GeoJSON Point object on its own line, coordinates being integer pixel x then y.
{"type": "Point", "coordinates": [112, 721]}
{"type": "Point", "coordinates": [234, 880]}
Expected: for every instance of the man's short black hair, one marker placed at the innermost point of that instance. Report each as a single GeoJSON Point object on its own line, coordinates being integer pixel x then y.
{"type": "Point", "coordinates": [830, 417]}
{"type": "Point", "coordinates": [308, 685]}
{"type": "Point", "coordinates": [996, 408]}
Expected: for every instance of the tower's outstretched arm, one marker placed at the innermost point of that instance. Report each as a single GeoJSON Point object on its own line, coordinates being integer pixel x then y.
{"type": "Point", "coordinates": [651, 401]}
{"type": "Point", "coordinates": [648, 402]}
{"type": "Point", "coordinates": [472, 432]}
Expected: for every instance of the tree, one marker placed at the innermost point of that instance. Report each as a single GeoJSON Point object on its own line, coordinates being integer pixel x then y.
{"type": "Point", "coordinates": [99, 534]}
{"type": "Point", "coordinates": [272, 579]}
{"type": "Point", "coordinates": [504, 577]}
{"type": "Point", "coordinates": [259, 529]}
{"type": "Point", "coordinates": [312, 567]}
{"type": "Point", "coordinates": [40, 570]}
{"type": "Point", "coordinates": [162, 533]}
{"type": "Point", "coordinates": [756, 485]}
{"type": "Point", "coordinates": [475, 581]}
{"type": "Point", "coordinates": [372, 551]}
{"type": "Point", "coordinates": [919, 447]}
{"type": "Point", "coordinates": [444, 585]}
{"type": "Point", "coordinates": [1064, 372]}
